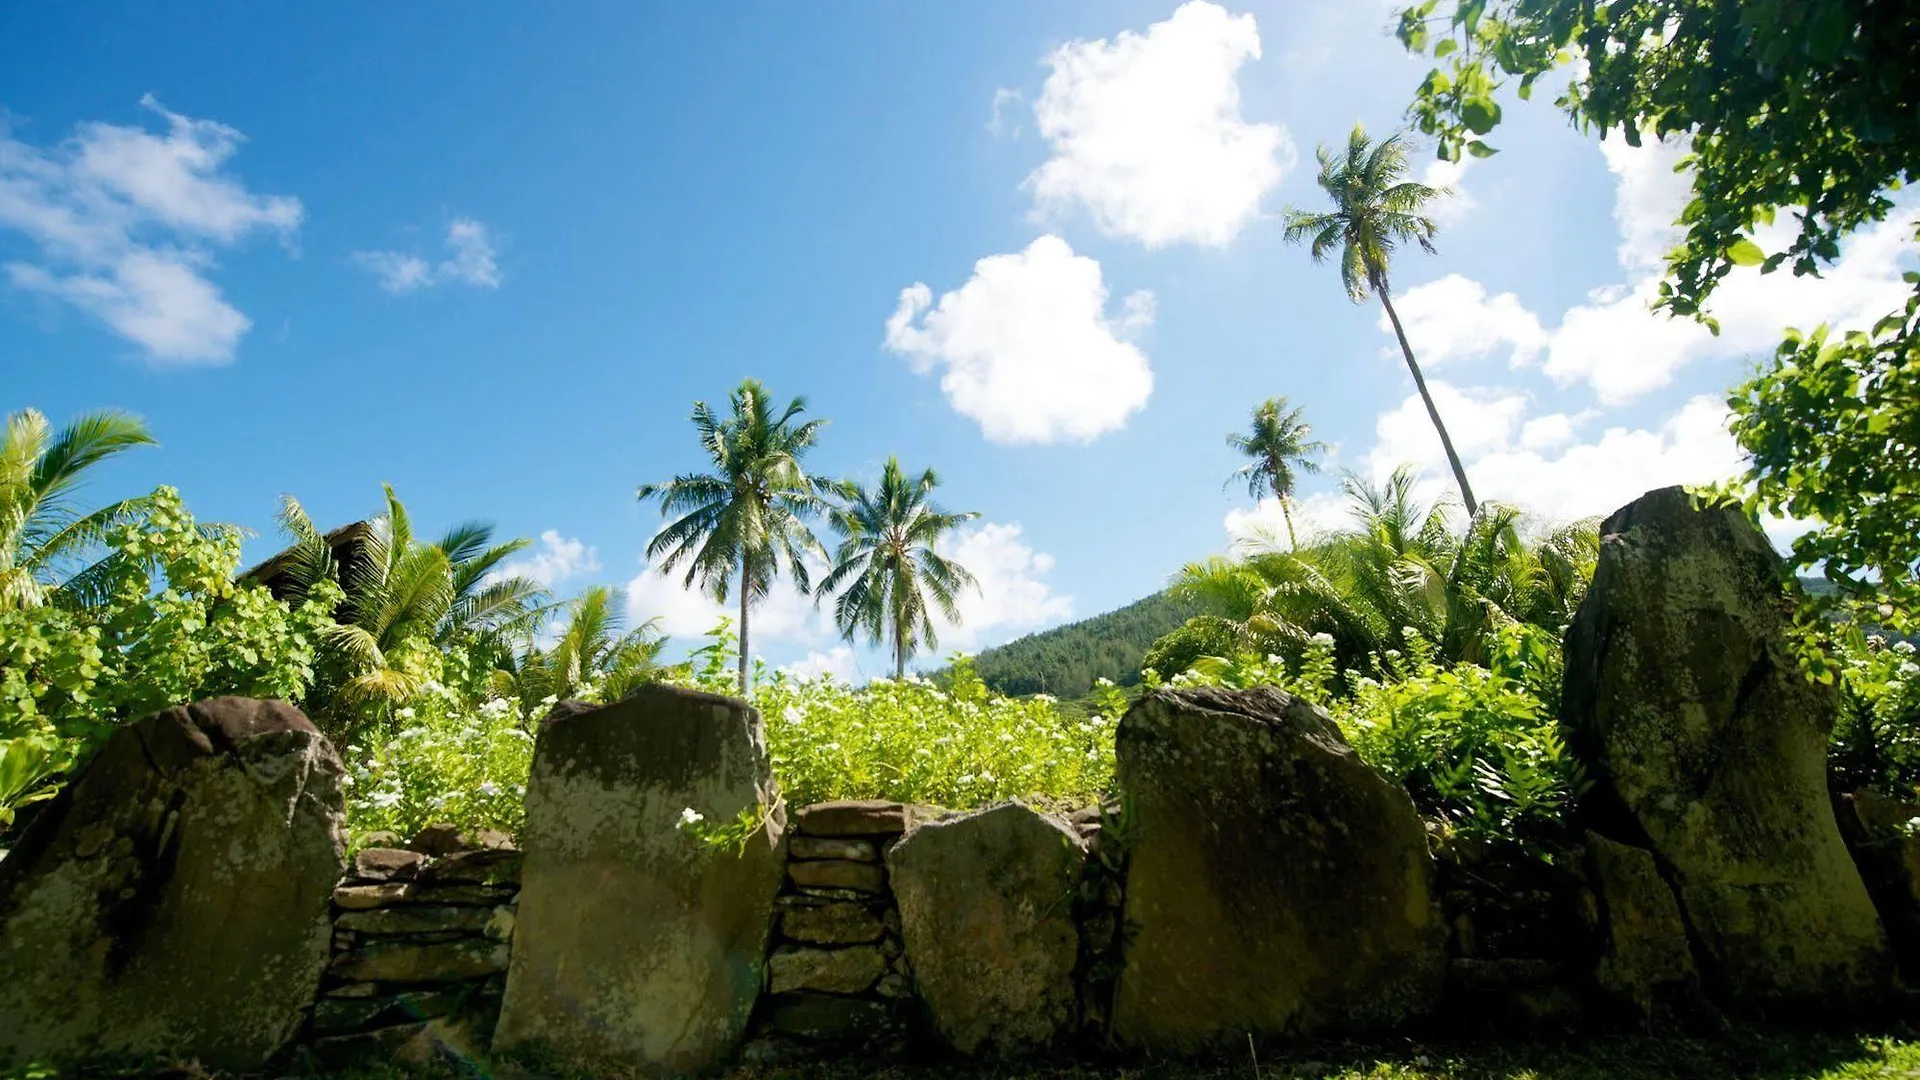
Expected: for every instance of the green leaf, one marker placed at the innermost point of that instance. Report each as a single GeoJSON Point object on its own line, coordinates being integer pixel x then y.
{"type": "Point", "coordinates": [1445, 48]}
{"type": "Point", "coordinates": [1480, 115]}
{"type": "Point", "coordinates": [1828, 33]}
{"type": "Point", "coordinates": [1481, 150]}
{"type": "Point", "coordinates": [1744, 252]}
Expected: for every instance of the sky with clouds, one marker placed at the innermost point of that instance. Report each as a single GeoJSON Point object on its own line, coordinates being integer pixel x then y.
{"type": "Point", "coordinates": [492, 260]}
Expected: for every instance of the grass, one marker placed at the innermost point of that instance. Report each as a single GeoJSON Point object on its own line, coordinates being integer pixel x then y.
{"type": "Point", "coordinates": [1751, 1055]}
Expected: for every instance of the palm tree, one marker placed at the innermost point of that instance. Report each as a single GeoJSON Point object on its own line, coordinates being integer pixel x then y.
{"type": "Point", "coordinates": [750, 513]}
{"type": "Point", "coordinates": [1402, 569]}
{"type": "Point", "coordinates": [592, 647]}
{"type": "Point", "coordinates": [44, 535]}
{"type": "Point", "coordinates": [1375, 210]}
{"type": "Point", "coordinates": [889, 564]}
{"type": "Point", "coordinates": [1278, 443]}
{"type": "Point", "coordinates": [402, 592]}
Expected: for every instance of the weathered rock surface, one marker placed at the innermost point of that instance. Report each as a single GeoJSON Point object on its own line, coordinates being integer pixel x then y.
{"type": "Point", "coordinates": [410, 962]}
{"type": "Point", "coordinates": [832, 847]}
{"type": "Point", "coordinates": [1277, 885]}
{"type": "Point", "coordinates": [172, 902]}
{"type": "Point", "coordinates": [857, 817]}
{"type": "Point", "coordinates": [1645, 964]}
{"type": "Point", "coordinates": [986, 911]}
{"type": "Point", "coordinates": [838, 874]}
{"type": "Point", "coordinates": [638, 948]}
{"type": "Point", "coordinates": [1705, 742]}
{"type": "Point", "coordinates": [415, 920]}
{"type": "Point", "coordinates": [1880, 833]}
{"type": "Point", "coordinates": [387, 864]}
{"type": "Point", "coordinates": [828, 1017]}
{"type": "Point", "coordinates": [833, 971]}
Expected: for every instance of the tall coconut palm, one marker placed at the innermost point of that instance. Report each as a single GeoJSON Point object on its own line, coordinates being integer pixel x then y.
{"type": "Point", "coordinates": [44, 534]}
{"type": "Point", "coordinates": [888, 570]}
{"type": "Point", "coordinates": [749, 515]}
{"type": "Point", "coordinates": [1277, 444]}
{"type": "Point", "coordinates": [1376, 209]}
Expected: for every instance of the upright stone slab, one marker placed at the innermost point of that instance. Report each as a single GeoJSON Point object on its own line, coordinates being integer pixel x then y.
{"type": "Point", "coordinates": [1645, 965]}
{"type": "Point", "coordinates": [1707, 745]}
{"type": "Point", "coordinates": [637, 947]}
{"type": "Point", "coordinates": [986, 912]}
{"type": "Point", "coordinates": [1276, 884]}
{"type": "Point", "coordinates": [172, 902]}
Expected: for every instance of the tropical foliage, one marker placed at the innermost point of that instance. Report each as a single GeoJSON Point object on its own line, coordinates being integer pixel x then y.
{"type": "Point", "coordinates": [1279, 445]}
{"type": "Point", "coordinates": [1069, 661]}
{"type": "Point", "coordinates": [748, 517]}
{"type": "Point", "coordinates": [1376, 211]}
{"type": "Point", "coordinates": [45, 537]}
{"type": "Point", "coordinates": [888, 573]}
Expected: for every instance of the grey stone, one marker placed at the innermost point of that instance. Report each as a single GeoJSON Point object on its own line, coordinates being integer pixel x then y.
{"type": "Point", "coordinates": [856, 817]}
{"type": "Point", "coordinates": [386, 864]}
{"type": "Point", "coordinates": [198, 926]}
{"type": "Point", "coordinates": [367, 897]}
{"type": "Point", "coordinates": [1277, 885]}
{"type": "Point", "coordinates": [833, 971]}
{"type": "Point", "coordinates": [481, 866]}
{"type": "Point", "coordinates": [1645, 964]}
{"type": "Point", "coordinates": [1685, 699]}
{"type": "Point", "coordinates": [833, 924]}
{"type": "Point", "coordinates": [830, 1017]}
{"type": "Point", "coordinates": [414, 920]}
{"type": "Point", "coordinates": [437, 840]}
{"type": "Point", "coordinates": [406, 961]}
{"type": "Point", "coordinates": [831, 847]}
{"type": "Point", "coordinates": [838, 874]}
{"type": "Point", "coordinates": [986, 911]}
{"type": "Point", "coordinates": [638, 948]}
{"type": "Point", "coordinates": [1886, 850]}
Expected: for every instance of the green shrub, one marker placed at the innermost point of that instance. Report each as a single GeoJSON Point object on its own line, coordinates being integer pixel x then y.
{"type": "Point", "coordinates": [441, 758]}
{"type": "Point", "coordinates": [1876, 739]}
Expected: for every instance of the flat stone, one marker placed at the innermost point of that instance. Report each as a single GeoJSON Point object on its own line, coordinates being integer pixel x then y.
{"type": "Point", "coordinates": [336, 1015]}
{"type": "Point", "coordinates": [407, 962]}
{"type": "Point", "coordinates": [832, 971]}
{"type": "Point", "coordinates": [832, 847]}
{"type": "Point", "coordinates": [366, 897]}
{"type": "Point", "coordinates": [828, 1017]}
{"type": "Point", "coordinates": [833, 924]}
{"type": "Point", "coordinates": [411, 919]}
{"type": "Point", "coordinates": [355, 990]}
{"type": "Point", "coordinates": [500, 924]}
{"type": "Point", "coordinates": [811, 896]}
{"type": "Point", "coordinates": [483, 866]}
{"type": "Point", "coordinates": [437, 840]}
{"type": "Point", "coordinates": [387, 864]}
{"type": "Point", "coordinates": [838, 874]}
{"type": "Point", "coordinates": [853, 817]}
{"type": "Point", "coordinates": [477, 895]}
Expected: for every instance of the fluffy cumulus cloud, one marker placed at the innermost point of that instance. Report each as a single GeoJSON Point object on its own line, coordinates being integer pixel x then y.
{"type": "Point", "coordinates": [837, 663]}
{"type": "Point", "coordinates": [126, 222]}
{"type": "Point", "coordinates": [1028, 347]}
{"type": "Point", "coordinates": [556, 559]}
{"type": "Point", "coordinates": [1614, 343]}
{"type": "Point", "coordinates": [472, 258]}
{"type": "Point", "coordinates": [1014, 595]}
{"type": "Point", "coordinates": [1146, 132]}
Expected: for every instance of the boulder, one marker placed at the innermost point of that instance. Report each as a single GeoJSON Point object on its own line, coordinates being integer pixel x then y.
{"type": "Point", "coordinates": [639, 948]}
{"type": "Point", "coordinates": [1881, 834]}
{"type": "Point", "coordinates": [172, 902]}
{"type": "Point", "coordinates": [1645, 965]}
{"type": "Point", "coordinates": [986, 913]}
{"type": "Point", "coordinates": [1707, 745]}
{"type": "Point", "coordinates": [1276, 886]}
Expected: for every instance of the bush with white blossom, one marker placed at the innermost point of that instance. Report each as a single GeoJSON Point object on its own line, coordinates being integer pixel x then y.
{"type": "Point", "coordinates": [440, 760]}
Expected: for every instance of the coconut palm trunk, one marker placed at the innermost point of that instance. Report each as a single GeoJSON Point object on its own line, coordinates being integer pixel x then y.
{"type": "Point", "coordinates": [1426, 398]}
{"type": "Point", "coordinates": [744, 594]}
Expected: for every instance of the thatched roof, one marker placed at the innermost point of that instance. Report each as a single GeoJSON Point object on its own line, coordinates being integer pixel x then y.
{"type": "Point", "coordinates": [346, 542]}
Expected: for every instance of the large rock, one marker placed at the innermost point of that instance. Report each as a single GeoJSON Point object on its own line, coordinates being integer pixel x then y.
{"type": "Point", "coordinates": [1277, 885]}
{"type": "Point", "coordinates": [1708, 745]}
{"type": "Point", "coordinates": [1880, 833]}
{"type": "Point", "coordinates": [172, 902]}
{"type": "Point", "coordinates": [1645, 965]}
{"type": "Point", "coordinates": [986, 912]}
{"type": "Point", "coordinates": [637, 947]}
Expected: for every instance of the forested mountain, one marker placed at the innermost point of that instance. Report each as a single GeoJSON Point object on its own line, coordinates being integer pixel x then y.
{"type": "Point", "coordinates": [1065, 660]}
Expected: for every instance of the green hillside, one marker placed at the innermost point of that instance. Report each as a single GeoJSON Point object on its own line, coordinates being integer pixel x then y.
{"type": "Point", "coordinates": [1065, 660]}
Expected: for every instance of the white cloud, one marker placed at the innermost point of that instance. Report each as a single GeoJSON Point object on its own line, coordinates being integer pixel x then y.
{"type": "Point", "coordinates": [124, 221]}
{"type": "Point", "coordinates": [784, 615]}
{"type": "Point", "coordinates": [1147, 135]}
{"type": "Point", "coordinates": [1479, 420]}
{"type": "Point", "coordinates": [557, 559]}
{"type": "Point", "coordinates": [472, 260]}
{"type": "Point", "coordinates": [1448, 175]}
{"type": "Point", "coordinates": [997, 123]}
{"type": "Point", "coordinates": [1615, 343]}
{"type": "Point", "coordinates": [837, 663]}
{"type": "Point", "coordinates": [1454, 319]}
{"type": "Point", "coordinates": [1013, 597]}
{"type": "Point", "coordinates": [1264, 528]}
{"type": "Point", "coordinates": [1027, 346]}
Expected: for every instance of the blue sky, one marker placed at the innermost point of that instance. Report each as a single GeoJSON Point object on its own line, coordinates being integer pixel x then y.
{"type": "Point", "coordinates": [491, 253]}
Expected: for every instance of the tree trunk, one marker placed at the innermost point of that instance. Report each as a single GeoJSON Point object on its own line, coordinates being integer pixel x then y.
{"type": "Point", "coordinates": [899, 652]}
{"type": "Point", "coordinates": [1293, 542]}
{"type": "Point", "coordinates": [1459, 470]}
{"type": "Point", "coordinates": [744, 593]}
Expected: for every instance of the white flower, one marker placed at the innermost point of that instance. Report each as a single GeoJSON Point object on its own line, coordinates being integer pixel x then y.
{"type": "Point", "coordinates": [1322, 639]}
{"type": "Point", "coordinates": [406, 713]}
{"type": "Point", "coordinates": [550, 700]}
{"type": "Point", "coordinates": [385, 799]}
{"type": "Point", "coordinates": [689, 818]}
{"type": "Point", "coordinates": [488, 789]}
{"type": "Point", "coordinates": [1103, 681]}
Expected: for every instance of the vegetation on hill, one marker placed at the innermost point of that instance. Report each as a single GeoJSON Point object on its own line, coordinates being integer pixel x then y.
{"type": "Point", "coordinates": [1067, 661]}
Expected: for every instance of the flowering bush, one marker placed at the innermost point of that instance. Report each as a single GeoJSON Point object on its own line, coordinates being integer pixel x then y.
{"type": "Point", "coordinates": [440, 760]}
{"type": "Point", "coordinates": [1876, 741]}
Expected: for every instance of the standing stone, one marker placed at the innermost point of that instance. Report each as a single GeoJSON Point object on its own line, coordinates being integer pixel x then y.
{"type": "Point", "coordinates": [1277, 885]}
{"type": "Point", "coordinates": [172, 902]}
{"type": "Point", "coordinates": [986, 911]}
{"type": "Point", "coordinates": [1645, 964]}
{"type": "Point", "coordinates": [1706, 743]}
{"type": "Point", "coordinates": [638, 947]}
{"type": "Point", "coordinates": [1880, 833]}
